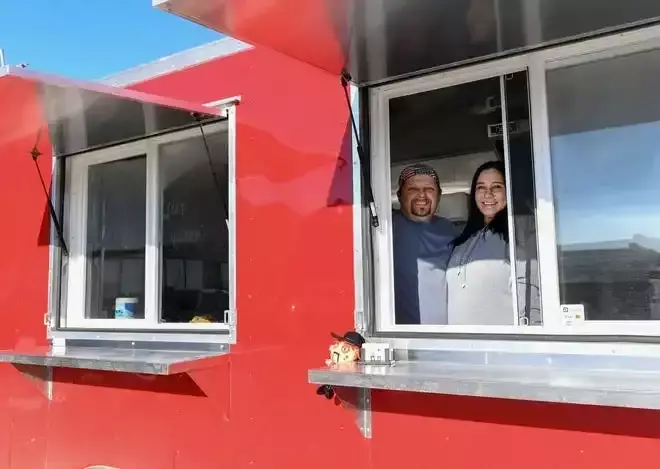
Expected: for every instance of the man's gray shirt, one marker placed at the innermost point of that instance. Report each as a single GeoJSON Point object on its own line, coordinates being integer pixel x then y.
{"type": "Point", "coordinates": [421, 253]}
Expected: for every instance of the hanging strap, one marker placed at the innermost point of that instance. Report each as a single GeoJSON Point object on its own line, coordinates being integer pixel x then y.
{"type": "Point", "coordinates": [366, 180]}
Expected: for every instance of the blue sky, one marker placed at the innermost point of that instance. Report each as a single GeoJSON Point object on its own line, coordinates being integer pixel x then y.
{"type": "Point", "coordinates": [91, 39]}
{"type": "Point", "coordinates": [605, 188]}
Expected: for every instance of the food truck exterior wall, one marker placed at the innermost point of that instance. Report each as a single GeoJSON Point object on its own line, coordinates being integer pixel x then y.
{"type": "Point", "coordinates": [295, 285]}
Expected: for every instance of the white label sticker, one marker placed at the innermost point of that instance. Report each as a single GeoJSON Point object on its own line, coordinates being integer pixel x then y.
{"type": "Point", "coordinates": [571, 314]}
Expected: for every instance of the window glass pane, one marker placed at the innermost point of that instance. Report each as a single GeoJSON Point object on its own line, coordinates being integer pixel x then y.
{"type": "Point", "coordinates": [523, 199]}
{"type": "Point", "coordinates": [195, 241]}
{"type": "Point", "coordinates": [604, 127]}
{"type": "Point", "coordinates": [441, 277]}
{"type": "Point", "coordinates": [116, 225]}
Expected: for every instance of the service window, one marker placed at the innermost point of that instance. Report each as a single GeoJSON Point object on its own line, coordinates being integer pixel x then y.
{"type": "Point", "coordinates": [521, 196]}
{"type": "Point", "coordinates": [149, 231]}
{"type": "Point", "coordinates": [460, 236]}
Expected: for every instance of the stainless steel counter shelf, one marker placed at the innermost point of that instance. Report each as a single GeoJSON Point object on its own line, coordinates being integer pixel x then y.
{"type": "Point", "coordinates": [607, 387]}
{"type": "Point", "coordinates": [128, 360]}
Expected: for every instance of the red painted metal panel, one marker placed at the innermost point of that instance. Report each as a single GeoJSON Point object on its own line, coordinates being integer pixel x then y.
{"type": "Point", "coordinates": [139, 421]}
{"type": "Point", "coordinates": [25, 235]}
{"type": "Point", "coordinates": [23, 273]}
{"type": "Point", "coordinates": [470, 432]}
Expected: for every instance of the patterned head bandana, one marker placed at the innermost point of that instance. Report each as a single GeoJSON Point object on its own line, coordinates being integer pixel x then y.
{"type": "Point", "coordinates": [415, 170]}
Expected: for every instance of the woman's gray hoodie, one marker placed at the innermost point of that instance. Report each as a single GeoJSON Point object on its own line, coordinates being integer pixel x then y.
{"type": "Point", "coordinates": [479, 283]}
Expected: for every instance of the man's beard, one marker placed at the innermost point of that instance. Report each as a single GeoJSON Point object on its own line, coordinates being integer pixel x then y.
{"type": "Point", "coordinates": [424, 211]}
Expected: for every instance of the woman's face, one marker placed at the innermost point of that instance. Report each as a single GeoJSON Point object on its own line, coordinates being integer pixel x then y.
{"type": "Point", "coordinates": [490, 193]}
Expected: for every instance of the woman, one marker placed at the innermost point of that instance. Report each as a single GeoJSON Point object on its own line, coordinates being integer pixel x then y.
{"type": "Point", "coordinates": [479, 270]}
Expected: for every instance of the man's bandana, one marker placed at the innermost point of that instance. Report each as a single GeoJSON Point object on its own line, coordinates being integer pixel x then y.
{"type": "Point", "coordinates": [415, 170]}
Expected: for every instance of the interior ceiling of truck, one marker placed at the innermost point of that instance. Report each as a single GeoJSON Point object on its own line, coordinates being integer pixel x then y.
{"type": "Point", "coordinates": [451, 121]}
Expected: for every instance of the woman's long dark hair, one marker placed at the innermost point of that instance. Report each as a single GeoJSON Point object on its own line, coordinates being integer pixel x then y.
{"type": "Point", "coordinates": [475, 222]}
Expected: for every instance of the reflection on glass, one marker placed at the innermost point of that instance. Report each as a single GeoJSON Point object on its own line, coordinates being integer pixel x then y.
{"type": "Point", "coordinates": [195, 241]}
{"type": "Point", "coordinates": [606, 168]}
{"type": "Point", "coordinates": [116, 226]}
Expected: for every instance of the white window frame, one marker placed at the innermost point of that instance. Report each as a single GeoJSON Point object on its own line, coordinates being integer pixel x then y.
{"type": "Point", "coordinates": [537, 64]}
{"type": "Point", "coordinates": [72, 315]}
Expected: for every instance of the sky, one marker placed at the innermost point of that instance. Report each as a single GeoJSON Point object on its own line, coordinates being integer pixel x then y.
{"type": "Point", "coordinates": [620, 199]}
{"type": "Point", "coordinates": [91, 39]}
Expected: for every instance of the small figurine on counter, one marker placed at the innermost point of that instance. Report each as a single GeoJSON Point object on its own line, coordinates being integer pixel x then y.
{"type": "Point", "coordinates": [345, 349]}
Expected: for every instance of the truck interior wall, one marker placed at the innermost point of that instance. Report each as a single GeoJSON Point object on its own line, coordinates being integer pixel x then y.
{"type": "Point", "coordinates": [295, 285]}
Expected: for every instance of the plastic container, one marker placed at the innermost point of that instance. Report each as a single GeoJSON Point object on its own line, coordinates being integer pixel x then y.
{"type": "Point", "coordinates": [125, 308]}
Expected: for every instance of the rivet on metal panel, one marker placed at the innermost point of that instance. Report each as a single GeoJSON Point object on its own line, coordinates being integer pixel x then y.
{"type": "Point", "coordinates": [364, 412]}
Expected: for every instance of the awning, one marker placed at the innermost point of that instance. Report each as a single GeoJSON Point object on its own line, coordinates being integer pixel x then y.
{"type": "Point", "coordinates": [378, 40]}
{"type": "Point", "coordinates": [78, 116]}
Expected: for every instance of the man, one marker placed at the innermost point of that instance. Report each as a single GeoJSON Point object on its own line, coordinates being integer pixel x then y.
{"type": "Point", "coordinates": [422, 245]}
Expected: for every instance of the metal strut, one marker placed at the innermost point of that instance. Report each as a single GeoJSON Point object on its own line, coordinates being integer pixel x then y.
{"type": "Point", "coordinates": [35, 153]}
{"type": "Point", "coordinates": [207, 150]}
{"type": "Point", "coordinates": [366, 182]}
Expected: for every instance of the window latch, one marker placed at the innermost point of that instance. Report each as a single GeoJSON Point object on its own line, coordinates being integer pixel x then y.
{"type": "Point", "coordinates": [229, 317]}
{"type": "Point", "coordinates": [360, 321]}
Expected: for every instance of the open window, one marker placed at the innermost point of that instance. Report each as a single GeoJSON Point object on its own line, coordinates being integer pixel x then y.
{"type": "Point", "coordinates": [148, 230]}
{"type": "Point", "coordinates": [453, 124]}
{"type": "Point", "coordinates": [142, 209]}
{"type": "Point", "coordinates": [575, 253]}
{"type": "Point", "coordinates": [141, 204]}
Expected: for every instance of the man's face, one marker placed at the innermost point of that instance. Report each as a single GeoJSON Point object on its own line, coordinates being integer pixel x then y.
{"type": "Point", "coordinates": [419, 197]}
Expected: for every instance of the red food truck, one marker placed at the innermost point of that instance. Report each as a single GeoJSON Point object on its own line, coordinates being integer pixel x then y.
{"type": "Point", "coordinates": [181, 239]}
